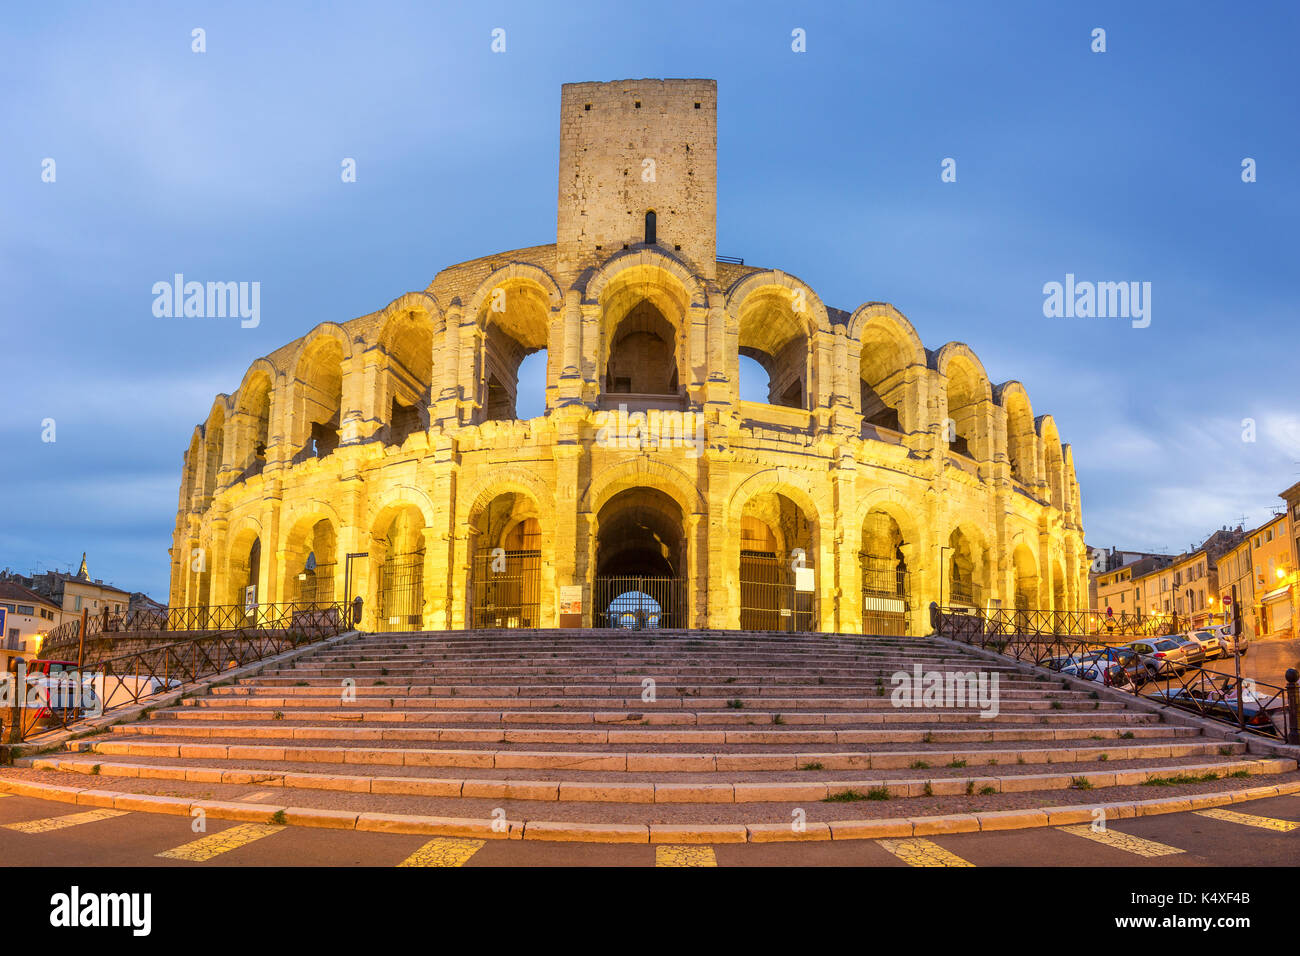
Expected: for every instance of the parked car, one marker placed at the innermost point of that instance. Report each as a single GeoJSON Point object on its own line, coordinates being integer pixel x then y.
{"type": "Point", "coordinates": [1195, 652]}
{"type": "Point", "coordinates": [1211, 643]}
{"type": "Point", "coordinates": [1162, 656]}
{"type": "Point", "coordinates": [1112, 666]}
{"type": "Point", "coordinates": [1227, 641]}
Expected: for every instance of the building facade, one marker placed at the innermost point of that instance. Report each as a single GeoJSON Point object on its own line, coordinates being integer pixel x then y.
{"type": "Point", "coordinates": [29, 617]}
{"type": "Point", "coordinates": [73, 593]}
{"type": "Point", "coordinates": [383, 457]}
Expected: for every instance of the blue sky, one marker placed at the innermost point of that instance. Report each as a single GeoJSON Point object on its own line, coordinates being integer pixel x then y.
{"type": "Point", "coordinates": [1115, 166]}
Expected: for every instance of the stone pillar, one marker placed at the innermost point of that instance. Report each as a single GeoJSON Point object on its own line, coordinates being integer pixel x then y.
{"type": "Point", "coordinates": [436, 596]}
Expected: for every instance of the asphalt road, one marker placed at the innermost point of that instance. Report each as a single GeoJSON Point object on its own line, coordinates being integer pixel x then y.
{"type": "Point", "coordinates": [1260, 832]}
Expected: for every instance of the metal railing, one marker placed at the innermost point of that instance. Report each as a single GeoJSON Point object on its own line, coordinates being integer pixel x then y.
{"type": "Point", "coordinates": [638, 602]}
{"type": "Point", "coordinates": [44, 696]}
{"type": "Point", "coordinates": [1250, 704]}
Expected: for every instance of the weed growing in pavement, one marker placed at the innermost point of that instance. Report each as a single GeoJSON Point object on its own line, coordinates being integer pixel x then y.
{"type": "Point", "coordinates": [1080, 783]}
{"type": "Point", "coordinates": [735, 703]}
{"type": "Point", "coordinates": [918, 765]}
{"type": "Point", "coordinates": [812, 766]}
{"type": "Point", "coordinates": [278, 715]}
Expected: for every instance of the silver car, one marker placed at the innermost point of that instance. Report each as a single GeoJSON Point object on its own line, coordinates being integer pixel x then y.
{"type": "Point", "coordinates": [1210, 643]}
{"type": "Point", "coordinates": [1162, 656]}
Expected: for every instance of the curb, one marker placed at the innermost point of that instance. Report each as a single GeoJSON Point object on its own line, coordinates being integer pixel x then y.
{"type": "Point", "coordinates": [576, 832]}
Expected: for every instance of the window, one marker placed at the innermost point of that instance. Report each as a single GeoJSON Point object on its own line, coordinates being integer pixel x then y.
{"type": "Point", "coordinates": [650, 227]}
{"type": "Point", "coordinates": [78, 604]}
{"type": "Point", "coordinates": [26, 609]}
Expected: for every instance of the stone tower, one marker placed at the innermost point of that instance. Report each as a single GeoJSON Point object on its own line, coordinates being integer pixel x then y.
{"type": "Point", "coordinates": [632, 148]}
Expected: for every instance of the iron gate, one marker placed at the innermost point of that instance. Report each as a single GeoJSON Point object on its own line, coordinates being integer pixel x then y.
{"type": "Point", "coordinates": [769, 598]}
{"type": "Point", "coordinates": [401, 593]}
{"type": "Point", "coordinates": [638, 602]}
{"type": "Point", "coordinates": [316, 585]}
{"type": "Point", "coordinates": [886, 584]}
{"type": "Point", "coordinates": [505, 588]}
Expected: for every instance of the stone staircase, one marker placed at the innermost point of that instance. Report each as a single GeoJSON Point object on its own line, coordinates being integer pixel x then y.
{"type": "Point", "coordinates": [682, 736]}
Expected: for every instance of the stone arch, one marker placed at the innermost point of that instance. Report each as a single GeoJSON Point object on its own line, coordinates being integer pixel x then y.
{"type": "Point", "coordinates": [1073, 505]}
{"type": "Point", "coordinates": [251, 420]}
{"type": "Point", "coordinates": [245, 556]}
{"type": "Point", "coordinates": [398, 558]}
{"type": "Point", "coordinates": [1021, 443]}
{"type": "Point", "coordinates": [649, 261]}
{"type": "Point", "coordinates": [317, 371]}
{"type": "Point", "coordinates": [969, 397]}
{"type": "Point", "coordinates": [512, 311]}
{"type": "Point", "coordinates": [502, 480]}
{"type": "Point", "coordinates": [643, 327]}
{"type": "Point", "coordinates": [313, 533]}
{"type": "Point", "coordinates": [967, 567]}
{"type": "Point", "coordinates": [408, 328]}
{"type": "Point", "coordinates": [780, 479]}
{"type": "Point", "coordinates": [781, 539]}
{"type": "Point", "coordinates": [1053, 461]}
{"type": "Point", "coordinates": [214, 446]}
{"type": "Point", "coordinates": [886, 559]}
{"type": "Point", "coordinates": [886, 346]}
{"type": "Point", "coordinates": [1027, 582]}
{"type": "Point", "coordinates": [778, 318]}
{"type": "Point", "coordinates": [643, 471]}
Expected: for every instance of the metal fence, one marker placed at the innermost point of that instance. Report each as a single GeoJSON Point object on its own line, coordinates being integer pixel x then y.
{"type": "Point", "coordinates": [1251, 705]}
{"type": "Point", "coordinates": [769, 596]}
{"type": "Point", "coordinates": [886, 584]}
{"type": "Point", "coordinates": [638, 602]}
{"type": "Point", "coordinates": [962, 620]}
{"type": "Point", "coordinates": [45, 695]}
{"type": "Point", "coordinates": [505, 588]}
{"type": "Point", "coordinates": [400, 597]}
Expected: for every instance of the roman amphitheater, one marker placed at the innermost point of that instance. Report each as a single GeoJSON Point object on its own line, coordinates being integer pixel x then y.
{"type": "Point", "coordinates": [383, 456]}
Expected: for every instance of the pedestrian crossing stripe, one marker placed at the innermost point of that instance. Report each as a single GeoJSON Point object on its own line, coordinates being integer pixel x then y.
{"type": "Point", "coordinates": [443, 851]}
{"type": "Point", "coordinates": [1250, 820]}
{"type": "Point", "coordinates": [1122, 841]}
{"type": "Point", "coordinates": [918, 852]}
{"type": "Point", "coordinates": [47, 824]}
{"type": "Point", "coordinates": [667, 855]}
{"type": "Point", "coordinates": [214, 844]}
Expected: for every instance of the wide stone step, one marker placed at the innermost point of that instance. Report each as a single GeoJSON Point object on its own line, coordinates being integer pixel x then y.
{"type": "Point", "coordinates": [877, 786]}
{"type": "Point", "coordinates": [789, 758]}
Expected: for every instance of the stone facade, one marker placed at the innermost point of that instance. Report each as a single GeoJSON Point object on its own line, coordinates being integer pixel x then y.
{"type": "Point", "coordinates": [394, 435]}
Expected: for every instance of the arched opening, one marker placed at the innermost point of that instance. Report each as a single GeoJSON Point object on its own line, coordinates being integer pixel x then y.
{"type": "Point", "coordinates": [253, 412]}
{"type": "Point", "coordinates": [640, 562]}
{"type": "Point", "coordinates": [643, 354]}
{"type": "Point", "coordinates": [515, 317]}
{"type": "Point", "coordinates": [1055, 465]}
{"type": "Point", "coordinates": [311, 563]}
{"type": "Point", "coordinates": [775, 337]}
{"type": "Point", "coordinates": [777, 566]}
{"type": "Point", "coordinates": [1020, 437]}
{"type": "Point", "coordinates": [399, 593]}
{"type": "Point", "coordinates": [881, 379]}
{"type": "Point", "coordinates": [966, 395]}
{"type": "Point", "coordinates": [530, 398]}
{"type": "Point", "coordinates": [318, 399]}
{"type": "Point", "coordinates": [213, 449]}
{"type": "Point", "coordinates": [505, 580]}
{"type": "Point", "coordinates": [754, 383]}
{"type": "Point", "coordinates": [886, 583]}
{"type": "Point", "coordinates": [243, 574]}
{"type": "Point", "coordinates": [1025, 568]}
{"type": "Point", "coordinates": [965, 571]}
{"type": "Point", "coordinates": [408, 342]}
{"type": "Point", "coordinates": [651, 227]}
{"type": "Point", "coordinates": [1060, 595]}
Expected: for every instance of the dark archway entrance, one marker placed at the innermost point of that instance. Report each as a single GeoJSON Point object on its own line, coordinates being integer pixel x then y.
{"type": "Point", "coordinates": [640, 562]}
